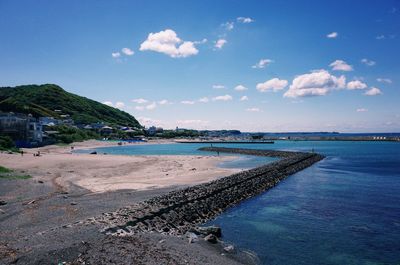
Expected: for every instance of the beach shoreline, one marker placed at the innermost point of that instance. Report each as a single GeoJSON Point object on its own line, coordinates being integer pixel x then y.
{"type": "Point", "coordinates": [67, 188]}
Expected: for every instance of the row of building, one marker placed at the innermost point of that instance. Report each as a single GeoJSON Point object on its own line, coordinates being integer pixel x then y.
{"type": "Point", "coordinates": [28, 131]}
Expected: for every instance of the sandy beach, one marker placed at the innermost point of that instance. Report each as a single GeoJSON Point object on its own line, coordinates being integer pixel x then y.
{"type": "Point", "coordinates": [100, 173]}
{"type": "Point", "coordinates": [66, 188]}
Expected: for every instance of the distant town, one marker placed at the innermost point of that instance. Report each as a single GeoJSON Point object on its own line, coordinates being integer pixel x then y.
{"type": "Point", "coordinates": [27, 131]}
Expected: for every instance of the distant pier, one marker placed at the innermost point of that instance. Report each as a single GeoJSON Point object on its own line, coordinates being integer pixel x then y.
{"type": "Point", "coordinates": [225, 142]}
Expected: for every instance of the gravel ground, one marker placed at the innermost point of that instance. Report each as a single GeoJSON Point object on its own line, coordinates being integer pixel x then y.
{"type": "Point", "coordinates": [39, 225]}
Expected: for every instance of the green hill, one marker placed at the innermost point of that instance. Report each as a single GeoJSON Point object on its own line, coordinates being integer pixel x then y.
{"type": "Point", "coordinates": [43, 100]}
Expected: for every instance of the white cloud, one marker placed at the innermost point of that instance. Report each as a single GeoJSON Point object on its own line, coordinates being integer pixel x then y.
{"type": "Point", "coordinates": [140, 100]}
{"type": "Point", "coordinates": [167, 42]}
{"type": "Point", "coordinates": [361, 110]}
{"type": "Point", "coordinates": [127, 51]}
{"type": "Point", "coordinates": [183, 123]}
{"type": "Point", "coordinates": [220, 43]}
{"type": "Point", "coordinates": [222, 98]}
{"type": "Point", "coordinates": [262, 63]}
{"type": "Point", "coordinates": [116, 55]}
{"type": "Point", "coordinates": [244, 20]}
{"type": "Point", "coordinates": [340, 65]}
{"type": "Point", "coordinates": [164, 102]}
{"type": "Point", "coordinates": [228, 25]}
{"type": "Point", "coordinates": [204, 100]}
{"type": "Point", "coordinates": [316, 83]}
{"type": "Point", "coordinates": [108, 103]}
{"type": "Point", "coordinates": [240, 88]}
{"type": "Point", "coordinates": [356, 85]}
{"type": "Point", "coordinates": [374, 91]}
{"type": "Point", "coordinates": [149, 121]}
{"type": "Point", "coordinates": [151, 106]}
{"type": "Point", "coordinates": [140, 108]}
{"type": "Point", "coordinates": [274, 84]}
{"type": "Point", "coordinates": [380, 37]}
{"type": "Point", "coordinates": [384, 80]}
{"type": "Point", "coordinates": [218, 86]}
{"type": "Point", "coordinates": [253, 109]}
{"type": "Point", "coordinates": [244, 98]}
{"type": "Point", "coordinates": [201, 41]}
{"type": "Point", "coordinates": [368, 62]}
{"type": "Point", "coordinates": [120, 105]}
{"type": "Point", "coordinates": [187, 102]}
{"type": "Point", "coordinates": [332, 35]}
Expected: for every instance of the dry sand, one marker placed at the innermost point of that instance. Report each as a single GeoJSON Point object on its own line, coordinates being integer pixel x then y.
{"type": "Point", "coordinates": [100, 173]}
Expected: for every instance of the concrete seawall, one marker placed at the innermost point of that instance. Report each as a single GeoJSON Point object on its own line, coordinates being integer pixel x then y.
{"type": "Point", "coordinates": [180, 211]}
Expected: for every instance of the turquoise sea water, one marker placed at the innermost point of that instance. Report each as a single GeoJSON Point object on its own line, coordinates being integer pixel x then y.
{"type": "Point", "coordinates": [242, 162]}
{"type": "Point", "coordinates": [342, 210]}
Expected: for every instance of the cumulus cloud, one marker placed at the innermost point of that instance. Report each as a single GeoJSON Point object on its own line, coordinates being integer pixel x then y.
{"type": "Point", "coordinates": [151, 106]}
{"type": "Point", "coordinates": [218, 86]}
{"type": "Point", "coordinates": [127, 51]}
{"type": "Point", "coordinates": [204, 100]}
{"type": "Point", "coordinates": [201, 41]}
{"type": "Point", "coordinates": [340, 65]}
{"type": "Point", "coordinates": [164, 102]}
{"type": "Point", "coordinates": [244, 98]}
{"type": "Point", "coordinates": [167, 42]}
{"type": "Point", "coordinates": [108, 103]}
{"type": "Point", "coordinates": [228, 25]}
{"type": "Point", "coordinates": [361, 110]}
{"type": "Point", "coordinates": [356, 85]}
{"type": "Point", "coordinates": [116, 55]}
{"type": "Point", "coordinates": [184, 123]}
{"type": "Point", "coordinates": [240, 88]}
{"type": "Point", "coordinates": [140, 100]}
{"type": "Point", "coordinates": [368, 62]}
{"type": "Point", "coordinates": [244, 20]}
{"type": "Point", "coordinates": [316, 83]}
{"type": "Point", "coordinates": [253, 109]}
{"type": "Point", "coordinates": [274, 84]}
{"type": "Point", "coordinates": [220, 43]}
{"type": "Point", "coordinates": [384, 80]}
{"type": "Point", "coordinates": [222, 98]}
{"type": "Point", "coordinates": [120, 105]}
{"type": "Point", "coordinates": [187, 102]}
{"type": "Point", "coordinates": [140, 108]}
{"type": "Point", "coordinates": [373, 91]}
{"type": "Point", "coordinates": [332, 35]}
{"type": "Point", "coordinates": [262, 63]}
{"type": "Point", "coordinates": [148, 121]}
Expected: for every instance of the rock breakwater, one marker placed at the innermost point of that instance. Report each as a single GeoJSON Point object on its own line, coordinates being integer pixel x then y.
{"type": "Point", "coordinates": [183, 210]}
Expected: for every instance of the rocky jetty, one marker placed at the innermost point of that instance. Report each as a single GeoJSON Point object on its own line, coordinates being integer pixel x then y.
{"type": "Point", "coordinates": [181, 211]}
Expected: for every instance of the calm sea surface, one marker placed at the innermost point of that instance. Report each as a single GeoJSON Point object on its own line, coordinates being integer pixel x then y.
{"type": "Point", "coordinates": [342, 210]}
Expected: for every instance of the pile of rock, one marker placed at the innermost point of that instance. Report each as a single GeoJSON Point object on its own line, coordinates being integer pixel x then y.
{"type": "Point", "coordinates": [183, 210]}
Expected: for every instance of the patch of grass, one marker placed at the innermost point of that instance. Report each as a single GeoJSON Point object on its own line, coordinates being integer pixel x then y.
{"type": "Point", "coordinates": [6, 173]}
{"type": "Point", "coordinates": [11, 176]}
{"type": "Point", "coordinates": [61, 144]}
{"type": "Point", "coordinates": [5, 170]}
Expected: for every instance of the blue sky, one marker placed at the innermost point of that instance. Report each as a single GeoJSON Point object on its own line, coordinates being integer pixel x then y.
{"type": "Point", "coordinates": [249, 65]}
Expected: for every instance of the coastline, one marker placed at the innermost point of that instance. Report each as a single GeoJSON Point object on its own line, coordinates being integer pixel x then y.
{"type": "Point", "coordinates": [62, 217]}
{"type": "Point", "coordinates": [67, 188]}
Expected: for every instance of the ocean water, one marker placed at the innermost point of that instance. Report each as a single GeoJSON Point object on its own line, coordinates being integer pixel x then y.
{"type": "Point", "coordinates": [241, 162]}
{"type": "Point", "coordinates": [342, 210]}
